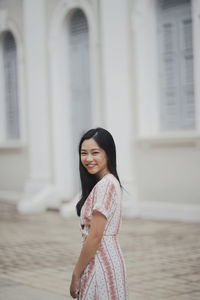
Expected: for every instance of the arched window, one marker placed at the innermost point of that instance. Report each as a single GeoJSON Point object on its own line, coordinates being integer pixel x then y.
{"type": "Point", "coordinates": [9, 84]}
{"type": "Point", "coordinates": [80, 69]}
{"type": "Point", "coordinates": [176, 65]}
{"type": "Point", "coordinates": [80, 87]}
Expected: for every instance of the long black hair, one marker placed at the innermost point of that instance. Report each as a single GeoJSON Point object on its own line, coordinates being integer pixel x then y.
{"type": "Point", "coordinates": [106, 142]}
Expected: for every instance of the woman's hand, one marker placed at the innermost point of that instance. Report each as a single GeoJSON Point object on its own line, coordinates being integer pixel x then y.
{"type": "Point", "coordinates": [75, 286]}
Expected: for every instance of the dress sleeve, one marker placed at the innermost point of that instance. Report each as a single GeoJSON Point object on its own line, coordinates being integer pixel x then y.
{"type": "Point", "coordinates": [105, 198]}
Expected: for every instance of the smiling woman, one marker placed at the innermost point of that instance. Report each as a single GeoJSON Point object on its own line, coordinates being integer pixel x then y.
{"type": "Point", "coordinates": [100, 270]}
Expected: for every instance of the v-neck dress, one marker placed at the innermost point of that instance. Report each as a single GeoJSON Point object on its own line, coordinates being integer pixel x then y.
{"type": "Point", "coordinates": [104, 278]}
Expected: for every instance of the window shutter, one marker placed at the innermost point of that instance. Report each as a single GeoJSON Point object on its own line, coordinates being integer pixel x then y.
{"type": "Point", "coordinates": [78, 24]}
{"type": "Point", "coordinates": [166, 4]}
{"type": "Point", "coordinates": [11, 88]}
{"type": "Point", "coordinates": [79, 69]}
{"type": "Point", "coordinates": [176, 65]}
{"type": "Point", "coordinates": [79, 77]}
{"type": "Point", "coordinates": [169, 79]}
{"type": "Point", "coordinates": [186, 62]}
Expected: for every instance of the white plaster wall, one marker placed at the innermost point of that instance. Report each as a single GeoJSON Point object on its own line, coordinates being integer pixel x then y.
{"type": "Point", "coordinates": [167, 164]}
{"type": "Point", "coordinates": [14, 165]}
{"type": "Point", "coordinates": [117, 87]}
{"type": "Point", "coordinates": [15, 11]}
{"type": "Point", "coordinates": [38, 103]}
{"type": "Point", "coordinates": [169, 174]}
{"type": "Point", "coordinates": [116, 79]}
{"type": "Point", "coordinates": [14, 169]}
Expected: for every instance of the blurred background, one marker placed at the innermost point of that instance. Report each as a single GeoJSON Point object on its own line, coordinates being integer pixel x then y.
{"type": "Point", "coordinates": [132, 67]}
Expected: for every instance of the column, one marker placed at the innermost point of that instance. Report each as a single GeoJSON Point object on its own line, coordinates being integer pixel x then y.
{"type": "Point", "coordinates": [38, 106]}
{"type": "Point", "coordinates": [118, 103]}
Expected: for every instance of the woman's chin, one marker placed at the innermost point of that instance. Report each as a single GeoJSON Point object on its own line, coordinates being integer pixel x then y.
{"type": "Point", "coordinates": [92, 172]}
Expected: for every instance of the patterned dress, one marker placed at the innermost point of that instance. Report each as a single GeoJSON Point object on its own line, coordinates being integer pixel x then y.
{"type": "Point", "coordinates": [104, 278]}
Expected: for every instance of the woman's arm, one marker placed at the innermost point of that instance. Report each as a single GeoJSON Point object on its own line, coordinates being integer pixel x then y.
{"type": "Point", "coordinates": [90, 246]}
{"type": "Point", "coordinates": [91, 243]}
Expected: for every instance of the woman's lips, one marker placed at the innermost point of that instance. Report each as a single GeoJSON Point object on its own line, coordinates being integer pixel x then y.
{"type": "Point", "coordinates": [91, 166]}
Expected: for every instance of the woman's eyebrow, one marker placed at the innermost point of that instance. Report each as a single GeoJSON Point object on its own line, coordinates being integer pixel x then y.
{"type": "Point", "coordinates": [90, 149]}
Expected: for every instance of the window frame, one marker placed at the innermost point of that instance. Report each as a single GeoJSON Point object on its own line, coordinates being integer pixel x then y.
{"type": "Point", "coordinates": [11, 143]}
{"type": "Point", "coordinates": [179, 118]}
{"type": "Point", "coordinates": [144, 24]}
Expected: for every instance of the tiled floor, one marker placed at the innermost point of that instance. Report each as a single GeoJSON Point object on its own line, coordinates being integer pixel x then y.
{"type": "Point", "coordinates": [37, 254]}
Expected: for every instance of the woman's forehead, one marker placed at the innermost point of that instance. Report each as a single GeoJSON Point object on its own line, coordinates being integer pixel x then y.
{"type": "Point", "coordinates": [89, 144]}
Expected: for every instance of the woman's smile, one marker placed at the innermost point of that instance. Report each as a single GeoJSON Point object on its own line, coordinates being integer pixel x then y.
{"type": "Point", "coordinates": [91, 165]}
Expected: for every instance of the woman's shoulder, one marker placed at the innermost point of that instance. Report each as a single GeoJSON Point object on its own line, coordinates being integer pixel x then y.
{"type": "Point", "coordinates": [108, 179]}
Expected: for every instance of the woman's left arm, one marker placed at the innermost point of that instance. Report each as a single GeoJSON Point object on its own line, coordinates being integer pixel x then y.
{"type": "Point", "coordinates": [90, 246]}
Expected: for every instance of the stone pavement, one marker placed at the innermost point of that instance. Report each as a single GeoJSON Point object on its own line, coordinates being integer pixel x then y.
{"type": "Point", "coordinates": [37, 254]}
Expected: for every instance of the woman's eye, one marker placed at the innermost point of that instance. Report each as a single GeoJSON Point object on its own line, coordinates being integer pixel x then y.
{"type": "Point", "coordinates": [95, 152]}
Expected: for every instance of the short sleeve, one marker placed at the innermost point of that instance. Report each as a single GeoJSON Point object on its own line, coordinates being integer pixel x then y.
{"type": "Point", "coordinates": [105, 197]}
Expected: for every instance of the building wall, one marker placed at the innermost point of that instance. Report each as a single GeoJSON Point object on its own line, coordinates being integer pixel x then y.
{"type": "Point", "coordinates": [14, 170]}
{"type": "Point", "coordinates": [14, 159]}
{"type": "Point", "coordinates": [155, 168]}
{"type": "Point", "coordinates": [167, 172]}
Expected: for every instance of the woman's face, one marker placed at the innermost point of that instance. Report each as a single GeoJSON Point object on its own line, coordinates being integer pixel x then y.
{"type": "Point", "coordinates": [94, 158]}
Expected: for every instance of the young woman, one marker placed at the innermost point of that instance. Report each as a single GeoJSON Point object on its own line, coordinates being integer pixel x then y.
{"type": "Point", "coordinates": [100, 271]}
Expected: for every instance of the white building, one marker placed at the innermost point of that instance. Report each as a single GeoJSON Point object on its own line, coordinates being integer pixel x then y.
{"type": "Point", "coordinates": [131, 66]}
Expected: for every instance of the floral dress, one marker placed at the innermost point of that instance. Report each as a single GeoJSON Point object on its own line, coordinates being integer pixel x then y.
{"type": "Point", "coordinates": [104, 278]}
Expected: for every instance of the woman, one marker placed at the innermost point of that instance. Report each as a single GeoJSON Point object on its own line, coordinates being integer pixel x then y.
{"type": "Point", "coordinates": [100, 271]}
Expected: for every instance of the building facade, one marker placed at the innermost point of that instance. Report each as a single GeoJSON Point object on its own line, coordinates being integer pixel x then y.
{"type": "Point", "coordinates": [130, 66]}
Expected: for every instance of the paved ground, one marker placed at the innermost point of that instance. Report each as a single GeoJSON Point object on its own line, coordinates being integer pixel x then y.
{"type": "Point", "coordinates": [37, 254]}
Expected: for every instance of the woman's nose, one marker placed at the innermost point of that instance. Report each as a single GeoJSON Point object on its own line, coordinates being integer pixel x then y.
{"type": "Point", "coordinates": [89, 158]}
